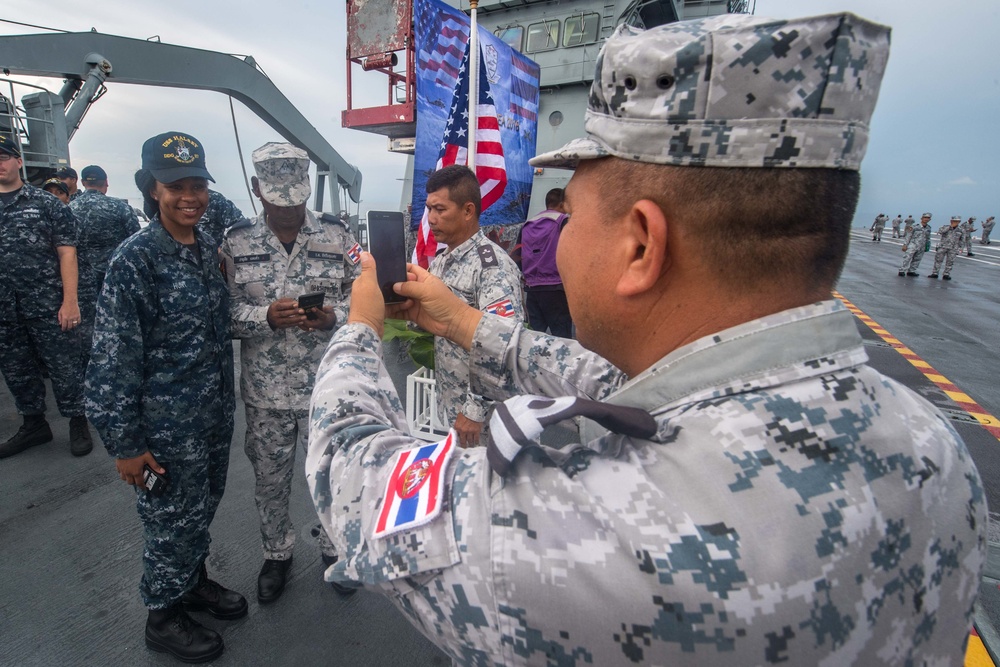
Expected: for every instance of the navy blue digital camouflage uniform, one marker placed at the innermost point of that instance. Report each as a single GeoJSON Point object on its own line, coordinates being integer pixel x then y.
{"type": "Point", "coordinates": [32, 226]}
{"type": "Point", "coordinates": [219, 215]}
{"type": "Point", "coordinates": [103, 222]}
{"type": "Point", "coordinates": [161, 379]}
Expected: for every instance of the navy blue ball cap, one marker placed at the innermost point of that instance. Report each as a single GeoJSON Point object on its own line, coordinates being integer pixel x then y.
{"type": "Point", "coordinates": [9, 146]}
{"type": "Point", "coordinates": [172, 156]}
{"type": "Point", "coordinates": [93, 174]}
{"type": "Point", "coordinates": [55, 183]}
{"type": "Point", "coordinates": [66, 172]}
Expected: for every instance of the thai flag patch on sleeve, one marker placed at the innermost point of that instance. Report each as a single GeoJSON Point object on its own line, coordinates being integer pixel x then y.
{"type": "Point", "coordinates": [503, 308]}
{"type": "Point", "coordinates": [355, 253]}
{"type": "Point", "coordinates": [414, 493]}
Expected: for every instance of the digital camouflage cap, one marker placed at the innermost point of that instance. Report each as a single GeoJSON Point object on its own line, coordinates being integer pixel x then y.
{"type": "Point", "coordinates": [283, 173]}
{"type": "Point", "coordinates": [734, 91]}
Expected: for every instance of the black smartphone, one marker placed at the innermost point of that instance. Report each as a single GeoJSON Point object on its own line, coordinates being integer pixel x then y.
{"type": "Point", "coordinates": [311, 300]}
{"type": "Point", "coordinates": [387, 244]}
{"type": "Point", "coordinates": [154, 482]}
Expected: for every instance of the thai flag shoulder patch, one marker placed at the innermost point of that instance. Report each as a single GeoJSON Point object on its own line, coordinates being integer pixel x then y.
{"type": "Point", "coordinates": [414, 493]}
{"type": "Point", "coordinates": [503, 308]}
{"type": "Point", "coordinates": [355, 253]}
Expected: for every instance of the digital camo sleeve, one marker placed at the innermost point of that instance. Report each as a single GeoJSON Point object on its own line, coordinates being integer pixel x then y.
{"type": "Point", "coordinates": [113, 391]}
{"type": "Point", "coordinates": [506, 360]}
{"type": "Point", "coordinates": [357, 429]}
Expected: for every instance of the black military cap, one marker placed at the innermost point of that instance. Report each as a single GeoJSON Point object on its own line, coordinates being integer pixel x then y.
{"type": "Point", "coordinates": [172, 156]}
{"type": "Point", "coordinates": [55, 183]}
{"type": "Point", "coordinates": [9, 146]}
{"type": "Point", "coordinates": [66, 172]}
{"type": "Point", "coordinates": [93, 174]}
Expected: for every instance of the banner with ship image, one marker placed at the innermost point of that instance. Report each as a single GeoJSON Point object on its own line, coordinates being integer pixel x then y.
{"type": "Point", "coordinates": [511, 87]}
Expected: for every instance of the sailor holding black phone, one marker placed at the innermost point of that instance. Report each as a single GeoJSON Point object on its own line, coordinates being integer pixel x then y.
{"type": "Point", "coordinates": [289, 272]}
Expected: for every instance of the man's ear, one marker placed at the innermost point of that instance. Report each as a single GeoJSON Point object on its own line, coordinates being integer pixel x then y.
{"type": "Point", "coordinates": [645, 236]}
{"type": "Point", "coordinates": [255, 186]}
{"type": "Point", "coordinates": [469, 210]}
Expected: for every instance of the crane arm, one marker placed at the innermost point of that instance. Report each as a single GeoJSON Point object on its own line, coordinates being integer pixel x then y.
{"type": "Point", "coordinates": [86, 55]}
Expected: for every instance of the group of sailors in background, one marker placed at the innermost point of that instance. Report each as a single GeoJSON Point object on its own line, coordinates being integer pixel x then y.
{"type": "Point", "coordinates": [954, 239]}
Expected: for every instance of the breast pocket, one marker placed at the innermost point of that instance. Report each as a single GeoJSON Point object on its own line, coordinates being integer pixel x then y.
{"type": "Point", "coordinates": [251, 279]}
{"type": "Point", "coordinates": [325, 271]}
{"type": "Point", "coordinates": [185, 310]}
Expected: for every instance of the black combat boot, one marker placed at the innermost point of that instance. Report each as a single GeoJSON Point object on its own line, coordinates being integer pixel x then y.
{"type": "Point", "coordinates": [80, 443]}
{"type": "Point", "coordinates": [172, 631]}
{"type": "Point", "coordinates": [218, 601]}
{"type": "Point", "coordinates": [272, 578]}
{"type": "Point", "coordinates": [34, 431]}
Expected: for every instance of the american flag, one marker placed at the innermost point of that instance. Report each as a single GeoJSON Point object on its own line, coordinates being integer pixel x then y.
{"type": "Point", "coordinates": [444, 55]}
{"type": "Point", "coordinates": [523, 87]}
{"type": "Point", "coordinates": [491, 168]}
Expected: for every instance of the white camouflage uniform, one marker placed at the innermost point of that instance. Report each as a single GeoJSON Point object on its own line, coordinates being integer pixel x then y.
{"type": "Point", "coordinates": [482, 275]}
{"type": "Point", "coordinates": [279, 366]}
{"type": "Point", "coordinates": [794, 506]}
{"type": "Point", "coordinates": [896, 222]}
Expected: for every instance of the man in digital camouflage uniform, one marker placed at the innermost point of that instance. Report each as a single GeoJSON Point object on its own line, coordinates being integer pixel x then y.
{"type": "Point", "coordinates": [988, 225]}
{"type": "Point", "coordinates": [39, 311]}
{"type": "Point", "coordinates": [908, 225]}
{"type": "Point", "coordinates": [968, 227]}
{"type": "Point", "coordinates": [270, 261]}
{"type": "Point", "coordinates": [916, 242]}
{"type": "Point", "coordinates": [102, 223]}
{"type": "Point", "coordinates": [896, 222]}
{"type": "Point", "coordinates": [482, 275]}
{"type": "Point", "coordinates": [756, 494]}
{"type": "Point", "coordinates": [952, 238]}
{"type": "Point", "coordinates": [878, 226]}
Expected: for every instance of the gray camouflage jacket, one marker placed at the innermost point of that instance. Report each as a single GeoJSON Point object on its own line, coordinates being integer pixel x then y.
{"type": "Point", "coordinates": [485, 277]}
{"type": "Point", "coordinates": [279, 366]}
{"type": "Point", "coordinates": [795, 506]}
{"type": "Point", "coordinates": [917, 238]}
{"type": "Point", "coordinates": [952, 238]}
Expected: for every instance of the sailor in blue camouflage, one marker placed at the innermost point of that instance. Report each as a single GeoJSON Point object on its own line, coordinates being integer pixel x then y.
{"type": "Point", "coordinates": [279, 359]}
{"type": "Point", "coordinates": [103, 222]}
{"type": "Point", "coordinates": [220, 215]}
{"type": "Point", "coordinates": [968, 227]}
{"type": "Point", "coordinates": [763, 496]}
{"type": "Point", "coordinates": [951, 238]}
{"type": "Point", "coordinates": [916, 242]}
{"type": "Point", "coordinates": [38, 294]}
{"type": "Point", "coordinates": [988, 225]}
{"type": "Point", "coordinates": [160, 381]}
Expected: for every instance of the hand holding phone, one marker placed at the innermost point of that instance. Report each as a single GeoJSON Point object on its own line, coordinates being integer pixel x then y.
{"type": "Point", "coordinates": [311, 301]}
{"type": "Point", "coordinates": [154, 482]}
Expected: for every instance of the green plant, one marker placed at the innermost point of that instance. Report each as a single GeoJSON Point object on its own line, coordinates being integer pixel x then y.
{"type": "Point", "coordinates": [420, 344]}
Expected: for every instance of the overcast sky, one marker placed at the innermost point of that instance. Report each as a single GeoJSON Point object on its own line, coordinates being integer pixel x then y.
{"type": "Point", "coordinates": [934, 142]}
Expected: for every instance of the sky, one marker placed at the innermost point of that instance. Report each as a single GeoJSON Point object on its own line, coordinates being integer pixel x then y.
{"type": "Point", "coordinates": [935, 134]}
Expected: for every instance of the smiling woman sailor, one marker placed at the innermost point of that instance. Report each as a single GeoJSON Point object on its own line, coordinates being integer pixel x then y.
{"type": "Point", "coordinates": [160, 392]}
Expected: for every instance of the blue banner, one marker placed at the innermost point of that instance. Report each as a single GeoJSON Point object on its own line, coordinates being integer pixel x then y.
{"type": "Point", "coordinates": [442, 36]}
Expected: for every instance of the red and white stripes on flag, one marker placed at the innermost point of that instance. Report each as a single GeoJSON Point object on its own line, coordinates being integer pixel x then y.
{"type": "Point", "coordinates": [491, 168]}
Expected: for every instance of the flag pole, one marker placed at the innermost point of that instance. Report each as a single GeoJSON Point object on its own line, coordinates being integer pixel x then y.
{"type": "Point", "coordinates": [473, 84]}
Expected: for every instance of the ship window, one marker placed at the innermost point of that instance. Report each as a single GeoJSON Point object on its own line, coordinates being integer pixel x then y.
{"type": "Point", "coordinates": [542, 36]}
{"type": "Point", "coordinates": [511, 35]}
{"type": "Point", "coordinates": [581, 29]}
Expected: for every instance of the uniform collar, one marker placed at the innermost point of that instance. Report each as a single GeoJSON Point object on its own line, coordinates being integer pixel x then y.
{"type": "Point", "coordinates": [167, 244]}
{"type": "Point", "coordinates": [810, 340]}
{"type": "Point", "coordinates": [265, 234]}
{"type": "Point", "coordinates": [466, 246]}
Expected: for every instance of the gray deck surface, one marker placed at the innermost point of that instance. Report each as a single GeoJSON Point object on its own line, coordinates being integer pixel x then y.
{"type": "Point", "coordinates": [70, 540]}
